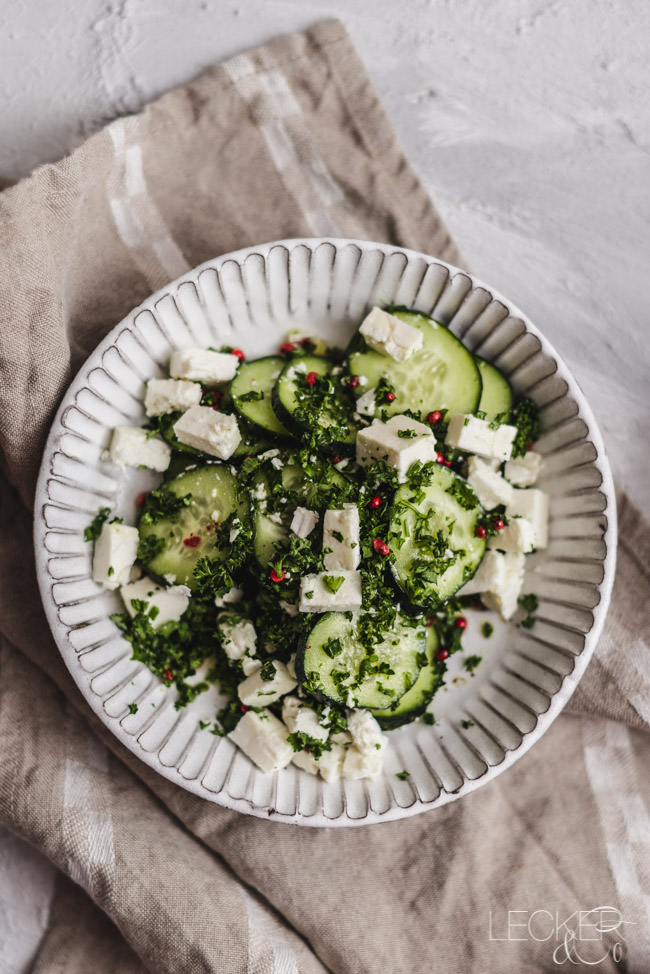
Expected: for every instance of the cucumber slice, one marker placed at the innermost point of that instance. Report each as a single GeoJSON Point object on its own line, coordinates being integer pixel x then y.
{"type": "Point", "coordinates": [257, 379]}
{"type": "Point", "coordinates": [336, 664]}
{"type": "Point", "coordinates": [496, 395]}
{"type": "Point", "coordinates": [425, 524]}
{"type": "Point", "coordinates": [251, 440]}
{"type": "Point", "coordinates": [314, 495]}
{"type": "Point", "coordinates": [441, 375]}
{"type": "Point", "coordinates": [182, 462]}
{"type": "Point", "coordinates": [416, 700]}
{"type": "Point", "coordinates": [213, 490]}
{"type": "Point", "coordinates": [325, 415]}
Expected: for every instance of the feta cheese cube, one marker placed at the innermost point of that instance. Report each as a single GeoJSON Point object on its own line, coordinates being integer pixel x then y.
{"type": "Point", "coordinates": [116, 549]}
{"type": "Point", "coordinates": [489, 576]}
{"type": "Point", "coordinates": [205, 429]}
{"type": "Point", "coordinates": [301, 719]}
{"type": "Point", "coordinates": [366, 732]}
{"type": "Point", "coordinates": [382, 441]}
{"type": "Point", "coordinates": [256, 692]}
{"type": "Point", "coordinates": [329, 764]}
{"type": "Point", "coordinates": [170, 602]}
{"type": "Point", "coordinates": [232, 596]}
{"type": "Point", "coordinates": [467, 432]}
{"type": "Point", "coordinates": [315, 596]}
{"type": "Point", "coordinates": [250, 663]}
{"type": "Point", "coordinates": [533, 504]}
{"type": "Point", "coordinates": [390, 335]}
{"type": "Point", "coordinates": [341, 534]}
{"type": "Point", "coordinates": [263, 738]}
{"type": "Point", "coordinates": [203, 365]}
{"type": "Point", "coordinates": [524, 471]}
{"type": "Point", "coordinates": [504, 598]}
{"type": "Point", "coordinates": [237, 636]}
{"type": "Point", "coordinates": [358, 764]}
{"type": "Point", "coordinates": [170, 396]}
{"type": "Point", "coordinates": [303, 522]}
{"type": "Point", "coordinates": [132, 446]}
{"type": "Point", "coordinates": [518, 535]}
{"type": "Point", "coordinates": [366, 404]}
{"type": "Point", "coordinates": [489, 486]}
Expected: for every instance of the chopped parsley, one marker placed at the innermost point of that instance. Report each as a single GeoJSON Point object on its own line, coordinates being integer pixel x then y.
{"type": "Point", "coordinates": [94, 529]}
{"type": "Point", "coordinates": [487, 629]}
{"type": "Point", "coordinates": [467, 724]}
{"type": "Point", "coordinates": [163, 504]}
{"type": "Point", "coordinates": [526, 419]}
{"type": "Point", "coordinates": [255, 395]}
{"type": "Point", "coordinates": [133, 708]}
{"type": "Point", "coordinates": [471, 663]}
{"type": "Point", "coordinates": [403, 775]}
{"type": "Point", "coordinates": [407, 434]}
{"type": "Point", "coordinates": [333, 582]}
{"type": "Point", "coordinates": [530, 603]}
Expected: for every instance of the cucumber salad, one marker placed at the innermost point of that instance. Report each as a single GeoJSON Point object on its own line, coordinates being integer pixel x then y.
{"type": "Point", "coordinates": [323, 520]}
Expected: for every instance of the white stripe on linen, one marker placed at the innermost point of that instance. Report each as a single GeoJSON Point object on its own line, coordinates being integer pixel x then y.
{"type": "Point", "coordinates": [269, 951]}
{"type": "Point", "coordinates": [276, 111]}
{"type": "Point", "coordinates": [86, 821]}
{"type": "Point", "coordinates": [625, 824]}
{"type": "Point", "coordinates": [137, 218]}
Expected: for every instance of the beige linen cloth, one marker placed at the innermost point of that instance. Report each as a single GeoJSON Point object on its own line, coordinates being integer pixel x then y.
{"type": "Point", "coordinates": [287, 140]}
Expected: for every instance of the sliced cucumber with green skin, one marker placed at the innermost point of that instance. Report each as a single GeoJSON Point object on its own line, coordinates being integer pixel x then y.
{"type": "Point", "coordinates": [267, 531]}
{"type": "Point", "coordinates": [333, 649]}
{"type": "Point", "coordinates": [304, 408]}
{"type": "Point", "coordinates": [252, 440]}
{"type": "Point", "coordinates": [213, 491]}
{"type": "Point", "coordinates": [416, 700]}
{"type": "Point", "coordinates": [441, 375]}
{"type": "Point", "coordinates": [252, 390]}
{"type": "Point", "coordinates": [426, 524]}
{"type": "Point", "coordinates": [496, 396]}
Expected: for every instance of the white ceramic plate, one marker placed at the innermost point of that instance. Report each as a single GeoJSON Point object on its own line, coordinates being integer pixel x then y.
{"type": "Point", "coordinates": [250, 299]}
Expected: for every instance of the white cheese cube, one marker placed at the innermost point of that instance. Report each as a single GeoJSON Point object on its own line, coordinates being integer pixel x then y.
{"type": "Point", "coordinates": [329, 764]}
{"type": "Point", "coordinates": [366, 404]}
{"type": "Point", "coordinates": [489, 486]}
{"type": "Point", "coordinates": [263, 738]}
{"type": "Point", "coordinates": [238, 636]}
{"type": "Point", "coordinates": [203, 365]}
{"type": "Point", "coordinates": [316, 596]}
{"type": "Point", "coordinates": [390, 335]}
{"type": "Point", "coordinates": [170, 396]}
{"type": "Point", "coordinates": [170, 602]}
{"type": "Point", "coordinates": [503, 599]}
{"type": "Point", "coordinates": [366, 732]}
{"type": "Point", "coordinates": [208, 430]}
{"type": "Point", "coordinates": [257, 692]}
{"type": "Point", "coordinates": [382, 441]}
{"type": "Point", "coordinates": [290, 609]}
{"type": "Point", "coordinates": [303, 522]}
{"type": "Point", "coordinates": [232, 596]}
{"type": "Point", "coordinates": [533, 504]}
{"type": "Point", "coordinates": [518, 535]}
{"type": "Point", "coordinates": [358, 764]}
{"type": "Point", "coordinates": [467, 432]}
{"type": "Point", "coordinates": [489, 576]}
{"type": "Point", "coordinates": [116, 549]}
{"type": "Point", "coordinates": [301, 719]}
{"type": "Point", "coordinates": [524, 471]}
{"type": "Point", "coordinates": [341, 534]}
{"type": "Point", "coordinates": [250, 663]}
{"type": "Point", "coordinates": [132, 446]}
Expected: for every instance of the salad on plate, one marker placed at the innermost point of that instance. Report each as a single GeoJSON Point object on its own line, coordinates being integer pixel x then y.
{"type": "Point", "coordinates": [324, 519]}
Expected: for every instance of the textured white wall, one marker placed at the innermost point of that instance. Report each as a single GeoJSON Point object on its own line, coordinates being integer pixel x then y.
{"type": "Point", "coordinates": [529, 121]}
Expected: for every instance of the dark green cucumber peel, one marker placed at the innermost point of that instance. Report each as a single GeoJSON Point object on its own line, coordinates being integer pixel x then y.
{"type": "Point", "coordinates": [399, 658]}
{"type": "Point", "coordinates": [441, 375]}
{"type": "Point", "coordinates": [445, 518]}
{"type": "Point", "coordinates": [290, 402]}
